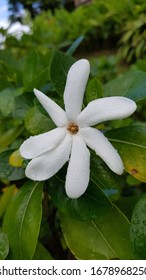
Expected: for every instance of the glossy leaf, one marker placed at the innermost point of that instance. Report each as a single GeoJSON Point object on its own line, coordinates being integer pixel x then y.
{"type": "Point", "coordinates": [22, 221]}
{"type": "Point", "coordinates": [130, 142]}
{"type": "Point", "coordinates": [59, 67]}
{"type": "Point", "coordinates": [132, 85]}
{"type": "Point", "coordinates": [106, 237]}
{"type": "Point", "coordinates": [8, 172]}
{"type": "Point", "coordinates": [94, 90]}
{"type": "Point", "coordinates": [138, 229]}
{"type": "Point", "coordinates": [91, 204]}
{"type": "Point", "coordinates": [4, 245]}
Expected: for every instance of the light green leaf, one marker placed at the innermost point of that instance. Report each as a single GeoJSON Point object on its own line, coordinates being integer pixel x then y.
{"type": "Point", "coordinates": [138, 229]}
{"type": "Point", "coordinates": [6, 198]}
{"type": "Point", "coordinates": [103, 238]}
{"type": "Point", "coordinates": [130, 142]}
{"type": "Point", "coordinates": [41, 253]}
{"type": "Point", "coordinates": [9, 136]}
{"type": "Point", "coordinates": [94, 90]}
{"type": "Point", "coordinates": [4, 245]}
{"type": "Point", "coordinates": [22, 221]}
{"type": "Point", "coordinates": [132, 85]}
{"type": "Point", "coordinates": [59, 67]}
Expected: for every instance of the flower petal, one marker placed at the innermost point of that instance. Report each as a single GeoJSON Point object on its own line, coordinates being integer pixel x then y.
{"type": "Point", "coordinates": [106, 109]}
{"type": "Point", "coordinates": [103, 148]}
{"type": "Point", "coordinates": [56, 113]}
{"type": "Point", "coordinates": [46, 165]}
{"type": "Point", "coordinates": [37, 145]}
{"type": "Point", "coordinates": [75, 86]}
{"type": "Point", "coordinates": [78, 169]}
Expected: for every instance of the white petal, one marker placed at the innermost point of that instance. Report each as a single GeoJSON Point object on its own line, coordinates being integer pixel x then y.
{"type": "Point", "coordinates": [106, 109]}
{"type": "Point", "coordinates": [78, 169]}
{"type": "Point", "coordinates": [75, 86]}
{"type": "Point", "coordinates": [56, 113]}
{"type": "Point", "coordinates": [46, 165]}
{"type": "Point", "coordinates": [103, 148]}
{"type": "Point", "coordinates": [37, 145]}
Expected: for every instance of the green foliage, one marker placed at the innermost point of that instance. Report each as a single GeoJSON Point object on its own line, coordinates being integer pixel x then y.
{"type": "Point", "coordinates": [137, 230]}
{"type": "Point", "coordinates": [93, 227]}
{"type": "Point", "coordinates": [105, 237]}
{"type": "Point", "coordinates": [22, 221]}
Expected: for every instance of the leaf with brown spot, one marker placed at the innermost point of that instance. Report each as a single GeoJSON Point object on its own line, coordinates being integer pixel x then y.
{"type": "Point", "coordinates": [130, 142]}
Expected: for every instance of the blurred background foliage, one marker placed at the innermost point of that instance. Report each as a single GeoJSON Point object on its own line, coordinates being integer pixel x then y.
{"type": "Point", "coordinates": [111, 34]}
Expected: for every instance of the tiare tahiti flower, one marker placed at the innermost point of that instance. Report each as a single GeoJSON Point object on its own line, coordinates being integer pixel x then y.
{"type": "Point", "coordinates": [74, 134]}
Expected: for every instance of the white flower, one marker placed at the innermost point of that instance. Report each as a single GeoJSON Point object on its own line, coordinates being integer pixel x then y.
{"type": "Point", "coordinates": [51, 150]}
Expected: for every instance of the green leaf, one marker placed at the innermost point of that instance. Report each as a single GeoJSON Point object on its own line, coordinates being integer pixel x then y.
{"type": "Point", "coordinates": [7, 101]}
{"type": "Point", "coordinates": [38, 81]}
{"type": "Point", "coordinates": [37, 123]}
{"type": "Point", "coordinates": [31, 67]}
{"type": "Point", "coordinates": [9, 136]}
{"type": "Point", "coordinates": [6, 198]}
{"type": "Point", "coordinates": [4, 245]}
{"type": "Point", "coordinates": [138, 229]}
{"type": "Point", "coordinates": [132, 85]}
{"type": "Point", "coordinates": [59, 67]}
{"type": "Point", "coordinates": [91, 204]}
{"type": "Point", "coordinates": [75, 45]}
{"type": "Point", "coordinates": [22, 221]}
{"type": "Point", "coordinates": [94, 90]}
{"type": "Point", "coordinates": [41, 253]}
{"type": "Point", "coordinates": [106, 237]}
{"type": "Point", "coordinates": [8, 172]}
{"type": "Point", "coordinates": [109, 182]}
{"type": "Point", "coordinates": [130, 142]}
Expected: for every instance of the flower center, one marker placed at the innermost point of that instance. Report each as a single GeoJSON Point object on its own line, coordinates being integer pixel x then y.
{"type": "Point", "coordinates": [73, 128]}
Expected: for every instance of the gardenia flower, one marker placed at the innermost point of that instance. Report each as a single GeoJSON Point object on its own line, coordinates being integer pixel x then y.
{"type": "Point", "coordinates": [69, 141]}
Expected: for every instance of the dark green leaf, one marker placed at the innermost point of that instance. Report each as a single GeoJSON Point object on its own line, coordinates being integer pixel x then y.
{"type": "Point", "coordinates": [106, 237]}
{"type": "Point", "coordinates": [38, 81]}
{"type": "Point", "coordinates": [59, 67]}
{"type": "Point", "coordinates": [8, 172]}
{"type": "Point", "coordinates": [4, 245]}
{"type": "Point", "coordinates": [37, 123]}
{"type": "Point", "coordinates": [130, 142]}
{"type": "Point", "coordinates": [22, 221]}
{"type": "Point", "coordinates": [91, 204]}
{"type": "Point", "coordinates": [94, 90]}
{"type": "Point", "coordinates": [31, 67]}
{"type": "Point", "coordinates": [138, 229]}
{"type": "Point", "coordinates": [132, 85]}
{"type": "Point", "coordinates": [108, 181]}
